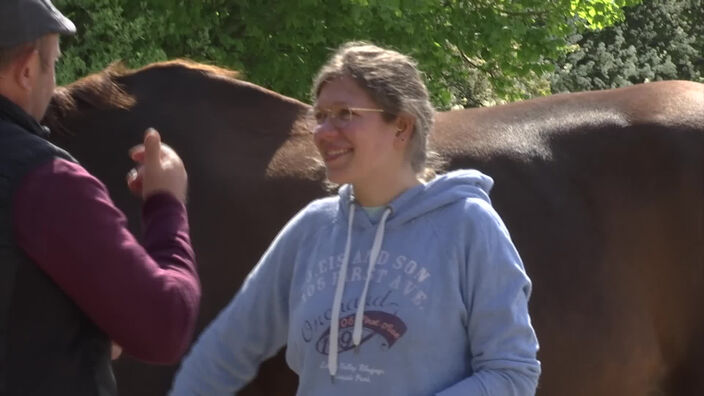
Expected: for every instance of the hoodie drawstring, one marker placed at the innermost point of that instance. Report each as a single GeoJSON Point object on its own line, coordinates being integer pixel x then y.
{"type": "Point", "coordinates": [376, 248]}
{"type": "Point", "coordinates": [339, 291]}
{"type": "Point", "coordinates": [337, 301]}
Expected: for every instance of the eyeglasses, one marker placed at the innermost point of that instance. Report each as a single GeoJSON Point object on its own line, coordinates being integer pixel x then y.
{"type": "Point", "coordinates": [339, 115]}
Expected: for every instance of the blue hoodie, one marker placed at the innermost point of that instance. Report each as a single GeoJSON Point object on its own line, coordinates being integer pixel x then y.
{"type": "Point", "coordinates": [443, 310]}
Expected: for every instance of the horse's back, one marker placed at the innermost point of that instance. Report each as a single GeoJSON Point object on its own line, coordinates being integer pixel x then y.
{"type": "Point", "coordinates": [602, 192]}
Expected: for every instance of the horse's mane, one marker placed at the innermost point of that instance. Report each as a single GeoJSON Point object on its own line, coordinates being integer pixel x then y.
{"type": "Point", "coordinates": [102, 90]}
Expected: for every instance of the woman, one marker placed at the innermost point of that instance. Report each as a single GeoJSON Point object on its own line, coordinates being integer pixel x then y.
{"type": "Point", "coordinates": [393, 287]}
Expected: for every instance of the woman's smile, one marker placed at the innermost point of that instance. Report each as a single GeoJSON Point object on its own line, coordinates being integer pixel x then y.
{"type": "Point", "coordinates": [330, 155]}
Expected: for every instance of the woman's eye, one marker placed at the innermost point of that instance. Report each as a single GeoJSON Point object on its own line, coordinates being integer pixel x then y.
{"type": "Point", "coordinates": [344, 114]}
{"type": "Point", "coordinates": [320, 116]}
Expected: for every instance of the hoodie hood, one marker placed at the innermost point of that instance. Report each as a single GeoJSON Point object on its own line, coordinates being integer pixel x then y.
{"type": "Point", "coordinates": [419, 200]}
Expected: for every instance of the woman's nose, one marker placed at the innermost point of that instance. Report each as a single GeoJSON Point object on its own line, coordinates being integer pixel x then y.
{"type": "Point", "coordinates": [325, 128]}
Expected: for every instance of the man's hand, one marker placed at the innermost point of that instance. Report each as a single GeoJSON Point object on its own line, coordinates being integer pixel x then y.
{"type": "Point", "coordinates": [159, 169]}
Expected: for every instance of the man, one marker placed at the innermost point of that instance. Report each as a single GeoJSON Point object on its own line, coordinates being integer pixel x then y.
{"type": "Point", "coordinates": [72, 278]}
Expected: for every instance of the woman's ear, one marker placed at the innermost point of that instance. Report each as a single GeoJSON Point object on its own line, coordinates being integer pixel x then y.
{"type": "Point", "coordinates": [404, 127]}
{"type": "Point", "coordinates": [404, 131]}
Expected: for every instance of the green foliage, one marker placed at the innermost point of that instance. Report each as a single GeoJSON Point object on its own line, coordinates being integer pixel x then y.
{"type": "Point", "coordinates": [658, 40]}
{"type": "Point", "coordinates": [472, 51]}
{"type": "Point", "coordinates": [106, 33]}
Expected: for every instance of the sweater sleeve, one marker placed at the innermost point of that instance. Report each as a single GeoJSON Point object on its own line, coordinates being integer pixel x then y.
{"type": "Point", "coordinates": [502, 341]}
{"type": "Point", "coordinates": [249, 330]}
{"type": "Point", "coordinates": [144, 298]}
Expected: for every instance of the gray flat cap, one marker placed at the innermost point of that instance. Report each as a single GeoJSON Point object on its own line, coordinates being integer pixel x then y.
{"type": "Point", "coordinates": [23, 21]}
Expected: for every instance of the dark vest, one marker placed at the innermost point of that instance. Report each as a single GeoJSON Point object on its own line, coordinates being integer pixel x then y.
{"type": "Point", "coordinates": [48, 346]}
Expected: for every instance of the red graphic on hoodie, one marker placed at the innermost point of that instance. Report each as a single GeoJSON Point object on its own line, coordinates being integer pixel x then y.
{"type": "Point", "coordinates": [386, 325]}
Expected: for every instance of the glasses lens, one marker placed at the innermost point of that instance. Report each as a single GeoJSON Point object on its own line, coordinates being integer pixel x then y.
{"type": "Point", "coordinates": [320, 116]}
{"type": "Point", "coordinates": [343, 114]}
{"type": "Point", "coordinates": [339, 116]}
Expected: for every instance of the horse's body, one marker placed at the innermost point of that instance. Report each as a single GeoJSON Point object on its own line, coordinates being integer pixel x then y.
{"type": "Point", "coordinates": [602, 192]}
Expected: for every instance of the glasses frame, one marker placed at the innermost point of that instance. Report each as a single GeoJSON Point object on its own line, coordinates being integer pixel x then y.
{"type": "Point", "coordinates": [336, 121]}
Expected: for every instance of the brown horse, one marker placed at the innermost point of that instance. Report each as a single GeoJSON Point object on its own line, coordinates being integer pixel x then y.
{"type": "Point", "coordinates": [602, 192]}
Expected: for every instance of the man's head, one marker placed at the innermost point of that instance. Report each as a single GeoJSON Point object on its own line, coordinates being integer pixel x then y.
{"type": "Point", "coordinates": [29, 48]}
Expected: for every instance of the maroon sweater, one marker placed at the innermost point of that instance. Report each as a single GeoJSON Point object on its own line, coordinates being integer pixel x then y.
{"type": "Point", "coordinates": [144, 297]}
